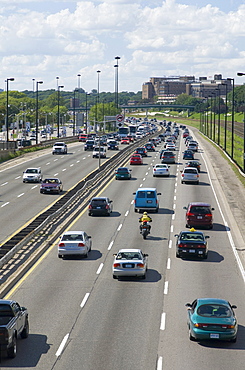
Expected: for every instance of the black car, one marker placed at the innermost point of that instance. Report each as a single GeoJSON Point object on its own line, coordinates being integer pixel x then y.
{"type": "Point", "coordinates": [195, 164]}
{"type": "Point", "coordinates": [100, 206]}
{"type": "Point", "coordinates": [191, 243]}
{"type": "Point", "coordinates": [112, 145]}
{"type": "Point", "coordinates": [150, 147]}
{"type": "Point", "coordinates": [89, 145]}
{"type": "Point", "coordinates": [142, 151]}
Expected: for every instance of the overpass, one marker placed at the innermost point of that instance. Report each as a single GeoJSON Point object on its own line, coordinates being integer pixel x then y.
{"type": "Point", "coordinates": [159, 106]}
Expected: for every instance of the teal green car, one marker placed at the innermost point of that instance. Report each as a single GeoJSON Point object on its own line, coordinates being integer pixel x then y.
{"type": "Point", "coordinates": [123, 173]}
{"type": "Point", "coordinates": [211, 318]}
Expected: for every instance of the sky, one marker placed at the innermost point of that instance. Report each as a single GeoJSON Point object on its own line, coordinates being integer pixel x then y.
{"type": "Point", "coordinates": [43, 40]}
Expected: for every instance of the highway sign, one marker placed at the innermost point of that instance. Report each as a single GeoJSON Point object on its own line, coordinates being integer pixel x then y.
{"type": "Point", "coordinates": [120, 118]}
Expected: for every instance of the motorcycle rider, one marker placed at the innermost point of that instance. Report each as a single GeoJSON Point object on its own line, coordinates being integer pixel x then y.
{"type": "Point", "coordinates": [145, 218]}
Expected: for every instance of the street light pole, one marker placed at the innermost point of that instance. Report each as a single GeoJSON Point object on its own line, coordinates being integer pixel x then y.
{"type": "Point", "coordinates": [86, 107]}
{"type": "Point", "coordinates": [7, 108]}
{"type": "Point", "coordinates": [219, 117]}
{"type": "Point", "coordinates": [116, 81]}
{"type": "Point", "coordinates": [243, 74]}
{"type": "Point", "coordinates": [37, 83]}
{"type": "Point", "coordinates": [232, 116]}
{"type": "Point", "coordinates": [58, 126]}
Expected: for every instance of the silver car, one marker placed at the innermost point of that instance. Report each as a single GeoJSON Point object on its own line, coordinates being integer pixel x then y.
{"type": "Point", "coordinates": [161, 170]}
{"type": "Point", "coordinates": [32, 175]}
{"type": "Point", "coordinates": [190, 174]}
{"type": "Point", "coordinates": [74, 243]}
{"type": "Point", "coordinates": [129, 262]}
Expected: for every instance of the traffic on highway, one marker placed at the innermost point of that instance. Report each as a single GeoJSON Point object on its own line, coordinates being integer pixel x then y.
{"type": "Point", "coordinates": [102, 297]}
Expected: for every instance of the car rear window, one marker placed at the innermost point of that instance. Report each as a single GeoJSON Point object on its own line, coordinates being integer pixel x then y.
{"type": "Point", "coordinates": [190, 170]}
{"type": "Point", "coordinates": [72, 237]}
{"type": "Point", "coordinates": [192, 237]}
{"type": "Point", "coordinates": [98, 202]}
{"type": "Point", "coordinates": [200, 209]}
{"type": "Point", "coordinates": [214, 310]}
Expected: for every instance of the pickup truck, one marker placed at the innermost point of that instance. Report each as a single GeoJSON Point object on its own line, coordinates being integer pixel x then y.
{"type": "Point", "coordinates": [59, 148]}
{"type": "Point", "coordinates": [13, 323]}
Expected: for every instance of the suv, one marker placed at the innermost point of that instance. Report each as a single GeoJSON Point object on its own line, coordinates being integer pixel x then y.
{"type": "Point", "coordinates": [99, 152]}
{"type": "Point", "coordinates": [59, 148]}
{"type": "Point", "coordinates": [100, 206]}
{"type": "Point", "coordinates": [32, 175]}
{"type": "Point", "coordinates": [199, 214]}
{"type": "Point", "coordinates": [190, 174]}
{"type": "Point", "coordinates": [89, 145]}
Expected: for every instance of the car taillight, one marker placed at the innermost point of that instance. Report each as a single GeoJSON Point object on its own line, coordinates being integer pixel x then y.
{"type": "Point", "coordinates": [201, 246]}
{"type": "Point", "coordinates": [181, 245]}
{"type": "Point", "coordinates": [90, 207]}
{"type": "Point", "coordinates": [141, 265]}
{"type": "Point", "coordinates": [198, 325]}
{"type": "Point", "coordinates": [81, 245]}
{"type": "Point", "coordinates": [189, 214]}
{"type": "Point", "coordinates": [107, 207]}
{"type": "Point", "coordinates": [116, 265]}
{"type": "Point", "coordinates": [208, 215]}
{"type": "Point", "coordinates": [61, 244]}
{"type": "Point", "coordinates": [182, 175]}
{"type": "Point", "coordinates": [154, 169]}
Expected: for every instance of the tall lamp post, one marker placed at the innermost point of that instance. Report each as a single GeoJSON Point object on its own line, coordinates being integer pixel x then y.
{"type": "Point", "coordinates": [58, 123]}
{"type": "Point", "coordinates": [37, 83]}
{"type": "Point", "coordinates": [243, 74]}
{"type": "Point", "coordinates": [7, 108]}
{"type": "Point", "coordinates": [218, 116]}
{"type": "Point", "coordinates": [86, 107]}
{"type": "Point", "coordinates": [116, 81]}
{"type": "Point", "coordinates": [232, 115]}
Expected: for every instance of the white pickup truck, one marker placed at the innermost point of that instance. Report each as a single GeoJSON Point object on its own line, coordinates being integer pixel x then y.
{"type": "Point", "coordinates": [99, 151]}
{"type": "Point", "coordinates": [59, 148]}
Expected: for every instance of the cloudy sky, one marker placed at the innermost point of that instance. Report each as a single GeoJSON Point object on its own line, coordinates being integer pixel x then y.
{"type": "Point", "coordinates": [43, 40]}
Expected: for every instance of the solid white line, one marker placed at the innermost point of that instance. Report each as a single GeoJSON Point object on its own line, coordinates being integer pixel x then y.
{"type": "Point", "coordinates": [99, 269]}
{"type": "Point", "coordinates": [110, 245]}
{"type": "Point", "coordinates": [176, 184]}
{"type": "Point", "coordinates": [62, 345]}
{"type": "Point", "coordinates": [84, 300]}
{"type": "Point", "coordinates": [119, 227]}
{"type": "Point", "coordinates": [20, 195]}
{"type": "Point", "coordinates": [84, 157]}
{"type": "Point", "coordinates": [34, 187]}
{"type": "Point", "coordinates": [56, 174]}
{"type": "Point", "coordinates": [168, 264]}
{"type": "Point", "coordinates": [126, 213]}
{"type": "Point", "coordinates": [5, 183]}
{"type": "Point", "coordinates": [16, 178]}
{"type": "Point", "coordinates": [163, 321]}
{"type": "Point", "coordinates": [3, 205]}
{"type": "Point", "coordinates": [172, 228]}
{"type": "Point", "coordinates": [165, 288]}
{"type": "Point", "coordinates": [159, 363]}
{"type": "Point", "coordinates": [170, 244]}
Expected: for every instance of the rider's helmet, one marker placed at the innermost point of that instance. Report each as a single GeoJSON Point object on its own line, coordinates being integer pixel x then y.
{"type": "Point", "coordinates": [145, 213]}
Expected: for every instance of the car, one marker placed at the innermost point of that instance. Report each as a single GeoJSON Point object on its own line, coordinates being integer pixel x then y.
{"type": "Point", "coordinates": [33, 174]}
{"type": "Point", "coordinates": [33, 137]}
{"type": "Point", "coordinates": [125, 140]}
{"type": "Point", "coordinates": [188, 154]}
{"type": "Point", "coordinates": [146, 199]}
{"type": "Point", "coordinates": [89, 145]}
{"type": "Point", "coordinates": [168, 156]}
{"type": "Point", "coordinates": [112, 145]}
{"type": "Point", "coordinates": [161, 169]}
{"type": "Point", "coordinates": [82, 137]}
{"type": "Point", "coordinates": [129, 262]}
{"type": "Point", "coordinates": [190, 174]}
{"type": "Point", "coordinates": [199, 214]}
{"type": "Point", "coordinates": [74, 243]}
{"type": "Point", "coordinates": [51, 185]}
{"type": "Point", "coordinates": [142, 151]}
{"type": "Point", "coordinates": [192, 146]}
{"type": "Point", "coordinates": [123, 173]}
{"type": "Point", "coordinates": [136, 159]}
{"type": "Point", "coordinates": [100, 206]}
{"type": "Point", "coordinates": [150, 147]}
{"type": "Point", "coordinates": [99, 151]}
{"type": "Point", "coordinates": [195, 164]}
{"type": "Point", "coordinates": [170, 146]}
{"type": "Point", "coordinates": [191, 243]}
{"type": "Point", "coordinates": [59, 148]}
{"type": "Point", "coordinates": [212, 319]}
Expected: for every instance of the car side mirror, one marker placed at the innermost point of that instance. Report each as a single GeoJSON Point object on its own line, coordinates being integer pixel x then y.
{"type": "Point", "coordinates": [176, 235]}
{"type": "Point", "coordinates": [89, 236]}
{"type": "Point", "coordinates": [134, 193]}
{"type": "Point", "coordinates": [234, 306]}
{"type": "Point", "coordinates": [207, 237]}
{"type": "Point", "coordinates": [184, 207]}
{"type": "Point", "coordinates": [188, 305]}
{"type": "Point", "coordinates": [213, 209]}
{"type": "Point", "coordinates": [114, 254]}
{"type": "Point", "coordinates": [159, 193]}
{"type": "Point", "coordinates": [145, 255]}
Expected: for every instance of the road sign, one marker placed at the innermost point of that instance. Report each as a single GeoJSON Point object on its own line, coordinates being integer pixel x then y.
{"type": "Point", "coordinates": [120, 118]}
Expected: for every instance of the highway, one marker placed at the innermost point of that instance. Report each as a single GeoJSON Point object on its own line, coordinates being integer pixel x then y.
{"type": "Point", "coordinates": [80, 318]}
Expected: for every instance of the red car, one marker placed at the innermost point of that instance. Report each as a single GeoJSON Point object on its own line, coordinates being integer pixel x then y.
{"type": "Point", "coordinates": [82, 137]}
{"type": "Point", "coordinates": [125, 140]}
{"type": "Point", "coordinates": [199, 214]}
{"type": "Point", "coordinates": [136, 159]}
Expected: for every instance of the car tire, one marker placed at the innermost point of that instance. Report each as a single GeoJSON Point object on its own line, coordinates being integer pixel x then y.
{"type": "Point", "coordinates": [143, 277]}
{"type": "Point", "coordinates": [11, 351]}
{"type": "Point", "coordinates": [182, 182]}
{"type": "Point", "coordinates": [86, 254]}
{"type": "Point", "coordinates": [205, 256]}
{"type": "Point", "coordinates": [233, 340]}
{"type": "Point", "coordinates": [114, 276]}
{"type": "Point", "coordinates": [25, 332]}
{"type": "Point", "coordinates": [191, 337]}
{"type": "Point", "coordinates": [156, 211]}
{"type": "Point", "coordinates": [177, 255]}
{"type": "Point", "coordinates": [211, 226]}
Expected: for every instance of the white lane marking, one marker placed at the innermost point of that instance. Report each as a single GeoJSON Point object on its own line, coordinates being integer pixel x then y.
{"type": "Point", "coordinates": [100, 268]}
{"type": "Point", "coordinates": [62, 345]}
{"type": "Point", "coordinates": [84, 157]}
{"type": "Point", "coordinates": [34, 187]}
{"type": "Point", "coordinates": [149, 168]}
{"type": "Point", "coordinates": [144, 179]}
{"type": "Point", "coordinates": [16, 178]}
{"type": "Point", "coordinates": [20, 195]}
{"type": "Point", "coordinates": [126, 213]}
{"type": "Point", "coordinates": [170, 244]}
{"type": "Point", "coordinates": [146, 173]}
{"type": "Point", "coordinates": [71, 165]}
{"type": "Point", "coordinates": [165, 291]}
{"type": "Point", "coordinates": [119, 227]}
{"type": "Point", "coordinates": [132, 202]}
{"type": "Point", "coordinates": [47, 163]}
{"type": "Point", "coordinates": [84, 300]}
{"type": "Point", "coordinates": [56, 174]}
{"type": "Point", "coordinates": [159, 363]}
{"type": "Point", "coordinates": [56, 159]}
{"type": "Point", "coordinates": [176, 184]}
{"type": "Point", "coordinates": [89, 155]}
{"type": "Point", "coordinates": [141, 185]}
{"type": "Point", "coordinates": [175, 190]}
{"type": "Point", "coordinates": [78, 161]}
{"type": "Point", "coordinates": [64, 169]}
{"type": "Point", "coordinates": [3, 205]}
{"type": "Point", "coordinates": [175, 197]}
{"type": "Point", "coordinates": [5, 183]}
{"type": "Point", "coordinates": [110, 245]}
{"type": "Point", "coordinates": [174, 206]}
{"type": "Point", "coordinates": [173, 216]}
{"type": "Point", "coordinates": [168, 264]}
{"type": "Point", "coordinates": [172, 228]}
{"type": "Point", "coordinates": [163, 321]}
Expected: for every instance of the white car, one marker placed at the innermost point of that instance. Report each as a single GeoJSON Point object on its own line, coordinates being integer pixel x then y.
{"type": "Point", "coordinates": [59, 148]}
{"type": "Point", "coordinates": [99, 151]}
{"type": "Point", "coordinates": [190, 174]}
{"type": "Point", "coordinates": [129, 262]}
{"type": "Point", "coordinates": [161, 170]}
{"type": "Point", "coordinates": [170, 146]}
{"type": "Point", "coordinates": [32, 175]}
{"type": "Point", "coordinates": [74, 243]}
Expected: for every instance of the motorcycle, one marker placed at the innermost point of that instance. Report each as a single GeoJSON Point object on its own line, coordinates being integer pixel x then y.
{"type": "Point", "coordinates": [145, 229]}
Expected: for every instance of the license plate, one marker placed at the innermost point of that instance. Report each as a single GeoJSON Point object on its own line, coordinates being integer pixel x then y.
{"type": "Point", "coordinates": [98, 207]}
{"type": "Point", "coordinates": [192, 251]}
{"type": "Point", "coordinates": [214, 336]}
{"type": "Point", "coordinates": [199, 217]}
{"type": "Point", "coordinates": [149, 201]}
{"type": "Point", "coordinates": [128, 266]}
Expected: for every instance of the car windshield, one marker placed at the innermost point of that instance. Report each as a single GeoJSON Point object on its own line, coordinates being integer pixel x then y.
{"type": "Point", "coordinates": [214, 310]}
{"type": "Point", "coordinates": [98, 202]}
{"type": "Point", "coordinates": [200, 209]}
{"type": "Point", "coordinates": [31, 170]}
{"type": "Point", "coordinates": [51, 181]}
{"type": "Point", "coordinates": [72, 237]}
{"type": "Point", "coordinates": [122, 170]}
{"type": "Point", "coordinates": [192, 237]}
{"type": "Point", "coordinates": [59, 144]}
{"type": "Point", "coordinates": [128, 256]}
{"type": "Point", "coordinates": [161, 166]}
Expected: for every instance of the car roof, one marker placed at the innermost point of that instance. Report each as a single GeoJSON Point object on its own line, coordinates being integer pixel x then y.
{"type": "Point", "coordinates": [147, 189]}
{"type": "Point", "coordinates": [73, 232]}
{"type": "Point", "coordinates": [102, 198]}
{"type": "Point", "coordinates": [199, 204]}
{"type": "Point", "coordinates": [192, 232]}
{"type": "Point", "coordinates": [190, 168]}
{"type": "Point", "coordinates": [130, 250]}
{"type": "Point", "coordinates": [6, 301]}
{"type": "Point", "coordinates": [201, 301]}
